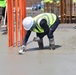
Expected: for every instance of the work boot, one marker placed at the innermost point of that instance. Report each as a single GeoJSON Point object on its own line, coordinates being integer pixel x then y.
{"type": "Point", "coordinates": [40, 43]}
{"type": "Point", "coordinates": [5, 32]}
{"type": "Point", "coordinates": [52, 43]}
{"type": "Point", "coordinates": [74, 27]}
{"type": "Point", "coordinates": [22, 50]}
{"type": "Point", "coordinates": [3, 26]}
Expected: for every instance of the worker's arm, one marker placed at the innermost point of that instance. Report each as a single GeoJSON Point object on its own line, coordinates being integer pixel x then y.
{"type": "Point", "coordinates": [26, 37]}
{"type": "Point", "coordinates": [44, 25]}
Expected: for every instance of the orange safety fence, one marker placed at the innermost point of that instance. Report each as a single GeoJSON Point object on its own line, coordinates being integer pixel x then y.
{"type": "Point", "coordinates": [16, 11]}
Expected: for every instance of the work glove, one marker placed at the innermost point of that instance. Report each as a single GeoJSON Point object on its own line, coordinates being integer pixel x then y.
{"type": "Point", "coordinates": [22, 50]}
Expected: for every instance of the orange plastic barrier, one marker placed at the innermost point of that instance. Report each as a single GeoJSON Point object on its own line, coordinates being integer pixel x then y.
{"type": "Point", "coordinates": [16, 11]}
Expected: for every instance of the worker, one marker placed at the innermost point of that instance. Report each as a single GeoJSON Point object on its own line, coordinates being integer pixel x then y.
{"type": "Point", "coordinates": [3, 9]}
{"type": "Point", "coordinates": [43, 24]}
{"type": "Point", "coordinates": [2, 4]}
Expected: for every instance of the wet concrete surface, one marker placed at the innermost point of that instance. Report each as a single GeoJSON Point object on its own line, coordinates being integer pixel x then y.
{"type": "Point", "coordinates": [34, 61]}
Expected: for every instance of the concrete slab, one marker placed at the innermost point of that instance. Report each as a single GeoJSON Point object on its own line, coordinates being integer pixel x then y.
{"type": "Point", "coordinates": [61, 61]}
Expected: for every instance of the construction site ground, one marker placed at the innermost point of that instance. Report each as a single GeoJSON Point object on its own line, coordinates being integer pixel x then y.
{"type": "Point", "coordinates": [61, 61]}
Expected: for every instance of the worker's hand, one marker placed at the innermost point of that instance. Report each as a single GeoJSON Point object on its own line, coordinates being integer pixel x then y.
{"type": "Point", "coordinates": [22, 50]}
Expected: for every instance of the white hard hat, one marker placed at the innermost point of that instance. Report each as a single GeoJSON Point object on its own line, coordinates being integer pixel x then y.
{"type": "Point", "coordinates": [27, 23]}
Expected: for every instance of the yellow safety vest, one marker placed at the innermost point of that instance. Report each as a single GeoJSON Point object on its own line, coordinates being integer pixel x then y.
{"type": "Point", "coordinates": [57, 1]}
{"type": "Point", "coordinates": [2, 3]}
{"type": "Point", "coordinates": [46, 1]}
{"type": "Point", "coordinates": [50, 1]}
{"type": "Point", "coordinates": [74, 1]}
{"type": "Point", "coordinates": [50, 18]}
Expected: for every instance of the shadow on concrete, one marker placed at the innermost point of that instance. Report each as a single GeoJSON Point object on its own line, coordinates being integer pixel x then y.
{"type": "Point", "coordinates": [45, 48]}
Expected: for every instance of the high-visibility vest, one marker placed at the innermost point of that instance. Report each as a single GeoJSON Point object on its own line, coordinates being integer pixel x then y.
{"type": "Point", "coordinates": [74, 1]}
{"type": "Point", "coordinates": [46, 1]}
{"type": "Point", "coordinates": [2, 3]}
{"type": "Point", "coordinates": [49, 17]}
{"type": "Point", "coordinates": [50, 1]}
{"type": "Point", "coordinates": [57, 1]}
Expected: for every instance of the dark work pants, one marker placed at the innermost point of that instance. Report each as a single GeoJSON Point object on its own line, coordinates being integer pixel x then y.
{"type": "Point", "coordinates": [51, 30]}
{"type": "Point", "coordinates": [3, 13]}
{"type": "Point", "coordinates": [0, 13]}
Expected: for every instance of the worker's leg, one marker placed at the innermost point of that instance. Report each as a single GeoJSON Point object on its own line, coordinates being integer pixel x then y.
{"type": "Point", "coordinates": [52, 43]}
{"type": "Point", "coordinates": [40, 41]}
{"type": "Point", "coordinates": [5, 25]}
{"type": "Point", "coordinates": [3, 14]}
{"type": "Point", "coordinates": [51, 36]}
{"type": "Point", "coordinates": [0, 13]}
